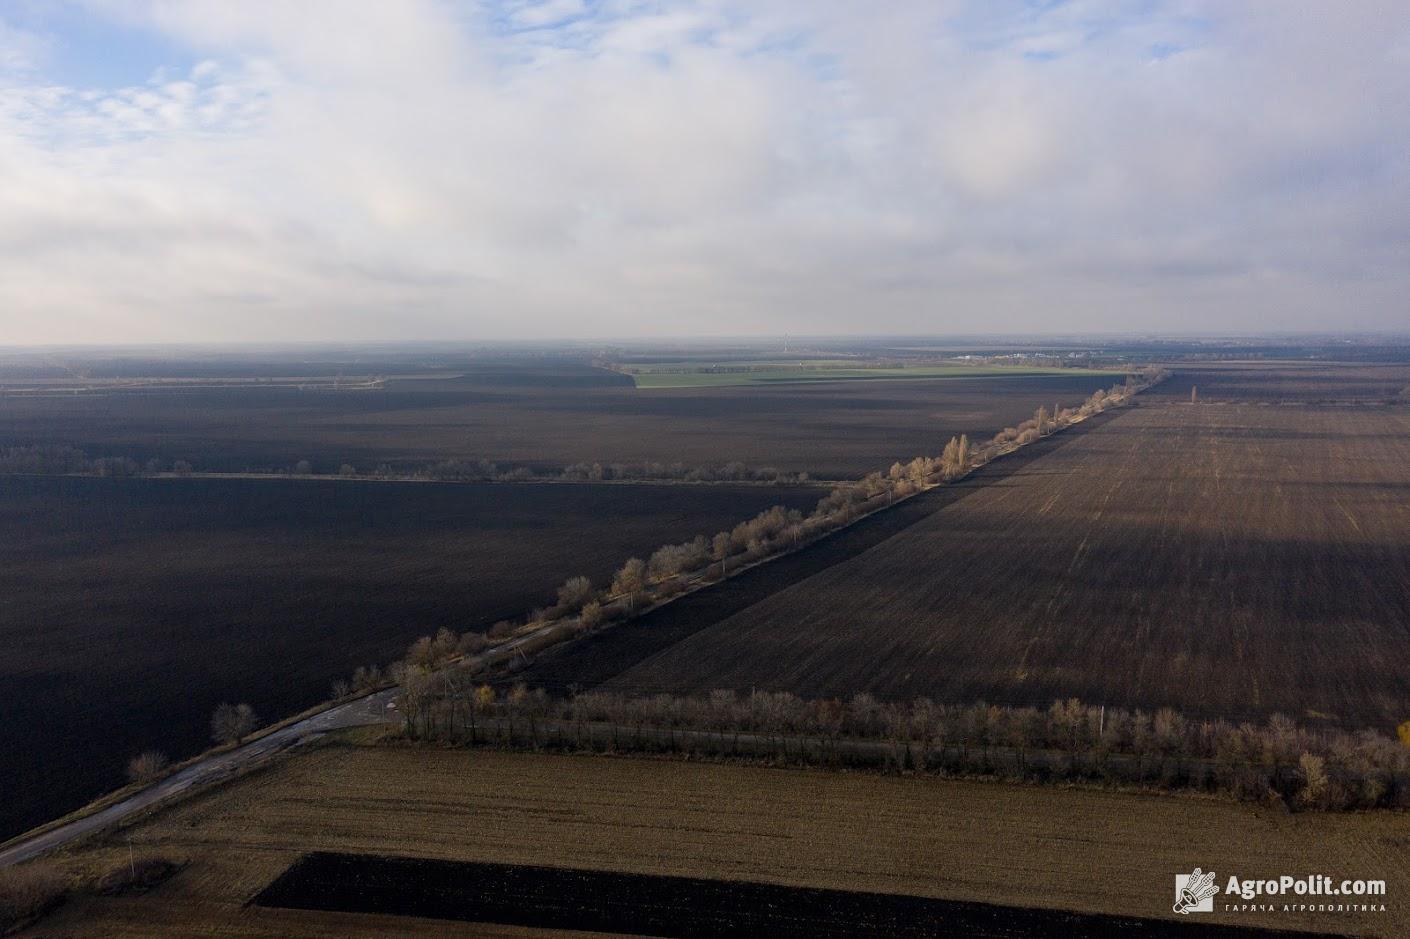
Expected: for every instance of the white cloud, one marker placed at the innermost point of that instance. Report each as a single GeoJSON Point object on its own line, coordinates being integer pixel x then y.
{"type": "Point", "coordinates": [425, 169]}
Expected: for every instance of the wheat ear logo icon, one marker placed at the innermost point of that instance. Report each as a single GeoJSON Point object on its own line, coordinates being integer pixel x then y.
{"type": "Point", "coordinates": [1193, 893]}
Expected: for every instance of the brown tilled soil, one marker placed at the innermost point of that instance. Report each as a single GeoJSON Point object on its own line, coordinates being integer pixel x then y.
{"type": "Point", "coordinates": [1229, 560]}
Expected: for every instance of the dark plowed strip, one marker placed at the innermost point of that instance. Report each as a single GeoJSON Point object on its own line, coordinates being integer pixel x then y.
{"type": "Point", "coordinates": [564, 898]}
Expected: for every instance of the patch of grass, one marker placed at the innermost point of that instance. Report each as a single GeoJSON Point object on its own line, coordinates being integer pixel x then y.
{"type": "Point", "coordinates": [28, 892]}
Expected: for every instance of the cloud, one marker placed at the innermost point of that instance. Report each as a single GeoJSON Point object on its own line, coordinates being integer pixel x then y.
{"type": "Point", "coordinates": [432, 169]}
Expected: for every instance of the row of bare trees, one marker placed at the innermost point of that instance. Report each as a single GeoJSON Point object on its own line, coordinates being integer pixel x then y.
{"type": "Point", "coordinates": [230, 724]}
{"type": "Point", "coordinates": [62, 460]}
{"type": "Point", "coordinates": [487, 470]}
{"type": "Point", "coordinates": [41, 459]}
{"type": "Point", "coordinates": [1278, 760]}
{"type": "Point", "coordinates": [582, 605]}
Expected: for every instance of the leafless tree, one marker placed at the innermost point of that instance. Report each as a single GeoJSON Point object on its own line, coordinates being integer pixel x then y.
{"type": "Point", "coordinates": [630, 581]}
{"type": "Point", "coordinates": [232, 723]}
{"type": "Point", "coordinates": [146, 766]}
{"type": "Point", "coordinates": [574, 593]}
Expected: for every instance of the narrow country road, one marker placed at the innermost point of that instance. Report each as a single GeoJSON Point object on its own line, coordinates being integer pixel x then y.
{"type": "Point", "coordinates": [372, 709]}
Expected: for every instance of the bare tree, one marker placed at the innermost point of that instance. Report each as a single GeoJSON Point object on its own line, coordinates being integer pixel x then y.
{"type": "Point", "coordinates": [444, 646]}
{"type": "Point", "coordinates": [630, 581]}
{"type": "Point", "coordinates": [147, 766]}
{"type": "Point", "coordinates": [1315, 782]}
{"type": "Point", "coordinates": [232, 723]}
{"type": "Point", "coordinates": [719, 551]}
{"type": "Point", "coordinates": [575, 592]}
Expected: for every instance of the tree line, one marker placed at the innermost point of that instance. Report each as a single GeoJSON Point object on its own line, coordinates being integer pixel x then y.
{"type": "Point", "coordinates": [1277, 761]}
{"type": "Point", "coordinates": [58, 460]}
{"type": "Point", "coordinates": [53, 460]}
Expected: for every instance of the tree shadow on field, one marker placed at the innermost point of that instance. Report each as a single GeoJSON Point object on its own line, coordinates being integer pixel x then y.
{"type": "Point", "coordinates": [591, 660]}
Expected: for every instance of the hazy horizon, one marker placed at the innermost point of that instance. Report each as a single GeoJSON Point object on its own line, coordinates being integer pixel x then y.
{"type": "Point", "coordinates": [549, 342]}
{"type": "Point", "coordinates": [204, 173]}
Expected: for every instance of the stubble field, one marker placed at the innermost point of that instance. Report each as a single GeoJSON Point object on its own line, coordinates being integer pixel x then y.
{"type": "Point", "coordinates": [1033, 847]}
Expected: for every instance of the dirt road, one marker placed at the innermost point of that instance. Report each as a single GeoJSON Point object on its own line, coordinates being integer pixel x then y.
{"type": "Point", "coordinates": [372, 709]}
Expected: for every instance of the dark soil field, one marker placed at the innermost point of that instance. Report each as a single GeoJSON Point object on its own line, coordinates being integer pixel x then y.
{"type": "Point", "coordinates": [1289, 381]}
{"type": "Point", "coordinates": [1228, 560]}
{"type": "Point", "coordinates": [130, 608]}
{"type": "Point", "coordinates": [540, 418]}
{"type": "Point", "coordinates": [680, 907]}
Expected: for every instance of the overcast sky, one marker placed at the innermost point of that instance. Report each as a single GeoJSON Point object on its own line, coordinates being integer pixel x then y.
{"type": "Point", "coordinates": [410, 169]}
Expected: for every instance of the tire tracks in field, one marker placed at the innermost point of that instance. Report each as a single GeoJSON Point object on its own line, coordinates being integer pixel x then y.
{"type": "Point", "coordinates": [1060, 585]}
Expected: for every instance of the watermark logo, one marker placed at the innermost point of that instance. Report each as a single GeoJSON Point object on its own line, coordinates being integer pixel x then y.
{"type": "Point", "coordinates": [1194, 892]}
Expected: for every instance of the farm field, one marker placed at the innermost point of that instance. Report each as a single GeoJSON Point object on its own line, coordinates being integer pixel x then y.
{"type": "Point", "coordinates": [1032, 847]}
{"type": "Point", "coordinates": [540, 418]}
{"type": "Point", "coordinates": [1289, 381]}
{"type": "Point", "coordinates": [599, 657]}
{"type": "Point", "coordinates": [673, 377]}
{"type": "Point", "coordinates": [1228, 560]}
{"type": "Point", "coordinates": [130, 607]}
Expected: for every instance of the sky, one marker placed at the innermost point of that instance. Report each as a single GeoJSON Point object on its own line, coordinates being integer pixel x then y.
{"type": "Point", "coordinates": [210, 171]}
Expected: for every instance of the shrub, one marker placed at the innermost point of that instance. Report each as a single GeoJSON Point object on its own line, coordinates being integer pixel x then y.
{"type": "Point", "coordinates": [471, 643]}
{"type": "Point", "coordinates": [575, 592]}
{"type": "Point", "coordinates": [232, 723]}
{"type": "Point", "coordinates": [145, 767]}
{"type": "Point", "coordinates": [135, 876]}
